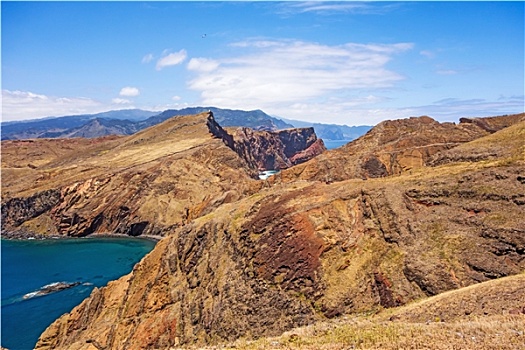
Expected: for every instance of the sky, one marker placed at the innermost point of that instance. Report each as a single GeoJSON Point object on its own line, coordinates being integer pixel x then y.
{"type": "Point", "coordinates": [353, 63]}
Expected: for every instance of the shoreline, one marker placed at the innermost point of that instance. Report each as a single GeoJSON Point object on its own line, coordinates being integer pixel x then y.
{"type": "Point", "coordinates": [29, 236]}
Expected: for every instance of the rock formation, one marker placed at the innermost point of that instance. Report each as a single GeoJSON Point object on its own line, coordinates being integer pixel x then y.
{"type": "Point", "coordinates": [265, 150]}
{"type": "Point", "coordinates": [146, 183]}
{"type": "Point", "coordinates": [274, 258]}
{"type": "Point", "coordinates": [396, 146]}
{"type": "Point", "coordinates": [51, 288]}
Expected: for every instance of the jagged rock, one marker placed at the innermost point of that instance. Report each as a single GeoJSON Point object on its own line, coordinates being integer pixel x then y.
{"type": "Point", "coordinates": [51, 288]}
{"type": "Point", "coordinates": [265, 150]}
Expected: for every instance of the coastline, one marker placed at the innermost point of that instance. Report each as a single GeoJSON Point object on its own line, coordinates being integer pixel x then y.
{"type": "Point", "coordinates": [25, 236]}
{"type": "Point", "coordinates": [66, 267]}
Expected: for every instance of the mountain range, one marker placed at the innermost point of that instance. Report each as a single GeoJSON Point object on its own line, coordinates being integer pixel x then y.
{"type": "Point", "coordinates": [127, 122]}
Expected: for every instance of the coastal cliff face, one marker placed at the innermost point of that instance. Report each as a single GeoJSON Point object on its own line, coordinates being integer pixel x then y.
{"type": "Point", "coordinates": [394, 147]}
{"type": "Point", "coordinates": [147, 183]}
{"type": "Point", "coordinates": [303, 251]}
{"type": "Point", "coordinates": [265, 150]}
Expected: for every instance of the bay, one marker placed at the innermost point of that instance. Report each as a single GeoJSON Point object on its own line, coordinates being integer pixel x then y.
{"type": "Point", "coordinates": [29, 265]}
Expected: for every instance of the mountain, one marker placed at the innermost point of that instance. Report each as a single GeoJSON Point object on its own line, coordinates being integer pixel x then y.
{"type": "Point", "coordinates": [256, 119]}
{"type": "Point", "coordinates": [127, 122]}
{"type": "Point", "coordinates": [332, 131]}
{"type": "Point", "coordinates": [58, 126]}
{"type": "Point", "coordinates": [411, 210]}
{"type": "Point", "coordinates": [146, 183]}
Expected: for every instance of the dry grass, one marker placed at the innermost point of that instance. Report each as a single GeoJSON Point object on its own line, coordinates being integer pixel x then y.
{"type": "Point", "coordinates": [417, 326]}
{"type": "Point", "coordinates": [492, 332]}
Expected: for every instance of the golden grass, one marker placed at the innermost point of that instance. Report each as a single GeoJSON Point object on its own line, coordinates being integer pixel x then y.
{"type": "Point", "coordinates": [493, 332]}
{"type": "Point", "coordinates": [416, 326]}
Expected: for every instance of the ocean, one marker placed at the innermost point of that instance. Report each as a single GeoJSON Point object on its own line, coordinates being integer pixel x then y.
{"type": "Point", "coordinates": [29, 265]}
{"type": "Point", "coordinates": [331, 144]}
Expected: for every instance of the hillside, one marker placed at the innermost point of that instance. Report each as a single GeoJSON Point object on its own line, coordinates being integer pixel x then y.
{"type": "Point", "coordinates": [299, 250]}
{"type": "Point", "coordinates": [394, 147]}
{"type": "Point", "coordinates": [483, 316]}
{"type": "Point", "coordinates": [147, 183]}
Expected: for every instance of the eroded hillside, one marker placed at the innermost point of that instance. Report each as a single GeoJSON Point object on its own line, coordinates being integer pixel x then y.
{"type": "Point", "coordinates": [396, 146]}
{"type": "Point", "coordinates": [306, 250]}
{"type": "Point", "coordinates": [146, 183]}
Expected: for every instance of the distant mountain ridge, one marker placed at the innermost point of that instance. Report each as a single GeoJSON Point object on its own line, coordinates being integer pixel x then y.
{"type": "Point", "coordinates": [127, 122]}
{"type": "Point", "coordinates": [55, 127]}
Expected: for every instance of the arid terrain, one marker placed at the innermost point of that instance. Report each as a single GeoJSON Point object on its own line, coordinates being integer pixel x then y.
{"type": "Point", "coordinates": [410, 237]}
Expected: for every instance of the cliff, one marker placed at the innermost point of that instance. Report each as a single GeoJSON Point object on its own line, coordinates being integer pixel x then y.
{"type": "Point", "coordinates": [394, 147]}
{"type": "Point", "coordinates": [265, 150]}
{"type": "Point", "coordinates": [146, 183]}
{"type": "Point", "coordinates": [303, 251]}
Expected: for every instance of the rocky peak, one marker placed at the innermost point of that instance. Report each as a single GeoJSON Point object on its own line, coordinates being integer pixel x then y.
{"type": "Point", "coordinates": [269, 150]}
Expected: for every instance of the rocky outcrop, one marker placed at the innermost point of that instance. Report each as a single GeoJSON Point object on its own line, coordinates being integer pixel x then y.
{"type": "Point", "coordinates": [493, 124]}
{"type": "Point", "coordinates": [147, 183]}
{"type": "Point", "coordinates": [396, 146]}
{"type": "Point", "coordinates": [299, 252]}
{"type": "Point", "coordinates": [51, 288]}
{"type": "Point", "coordinates": [266, 150]}
{"type": "Point", "coordinates": [16, 211]}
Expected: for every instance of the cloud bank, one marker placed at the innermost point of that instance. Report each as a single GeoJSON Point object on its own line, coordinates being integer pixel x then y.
{"type": "Point", "coordinates": [22, 105]}
{"type": "Point", "coordinates": [276, 75]}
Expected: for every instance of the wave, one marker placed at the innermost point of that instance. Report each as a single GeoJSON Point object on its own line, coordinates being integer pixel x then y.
{"type": "Point", "coordinates": [44, 290]}
{"type": "Point", "coordinates": [50, 288]}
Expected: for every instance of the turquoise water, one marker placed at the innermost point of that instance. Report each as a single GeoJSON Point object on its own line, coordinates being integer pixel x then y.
{"type": "Point", "coordinates": [331, 144]}
{"type": "Point", "coordinates": [31, 264]}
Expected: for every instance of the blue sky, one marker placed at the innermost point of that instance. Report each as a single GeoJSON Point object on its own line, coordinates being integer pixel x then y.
{"type": "Point", "coordinates": [348, 63]}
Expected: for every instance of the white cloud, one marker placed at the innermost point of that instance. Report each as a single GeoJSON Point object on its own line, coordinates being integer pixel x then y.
{"type": "Point", "coordinates": [120, 101]}
{"type": "Point", "coordinates": [129, 91]}
{"type": "Point", "coordinates": [22, 105]}
{"type": "Point", "coordinates": [171, 59]}
{"type": "Point", "coordinates": [202, 64]}
{"type": "Point", "coordinates": [275, 74]}
{"type": "Point", "coordinates": [176, 98]}
{"type": "Point", "coordinates": [148, 58]}
{"type": "Point", "coordinates": [328, 8]}
{"type": "Point", "coordinates": [427, 53]}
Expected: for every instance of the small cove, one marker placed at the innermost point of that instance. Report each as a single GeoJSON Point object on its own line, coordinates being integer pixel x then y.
{"type": "Point", "coordinates": [30, 265]}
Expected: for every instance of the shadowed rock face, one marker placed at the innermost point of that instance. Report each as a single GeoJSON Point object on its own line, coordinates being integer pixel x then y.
{"type": "Point", "coordinates": [299, 252]}
{"type": "Point", "coordinates": [265, 150]}
{"type": "Point", "coordinates": [146, 183]}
